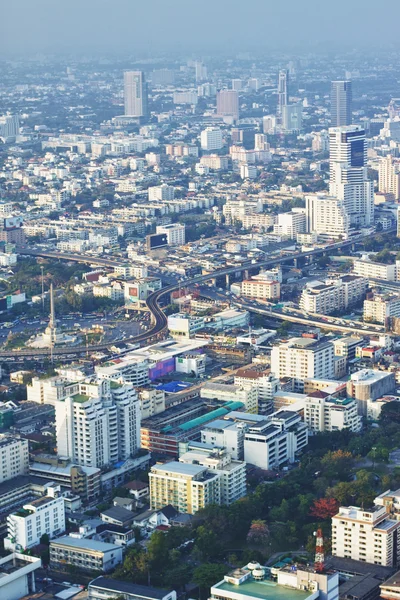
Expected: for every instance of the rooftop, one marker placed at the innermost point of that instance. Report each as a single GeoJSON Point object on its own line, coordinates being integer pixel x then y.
{"type": "Point", "coordinates": [139, 591]}
{"type": "Point", "coordinates": [84, 544]}
{"type": "Point", "coordinates": [179, 468]}
{"type": "Point", "coordinates": [265, 590]}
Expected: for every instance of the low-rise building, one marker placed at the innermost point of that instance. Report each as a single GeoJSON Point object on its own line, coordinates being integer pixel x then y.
{"type": "Point", "coordinates": [228, 392]}
{"type": "Point", "coordinates": [17, 575]}
{"type": "Point", "coordinates": [368, 385]}
{"type": "Point", "coordinates": [103, 587]}
{"type": "Point", "coordinates": [266, 290]}
{"type": "Point", "coordinates": [374, 270]}
{"type": "Point", "coordinates": [26, 526]}
{"type": "Point", "coordinates": [85, 554]}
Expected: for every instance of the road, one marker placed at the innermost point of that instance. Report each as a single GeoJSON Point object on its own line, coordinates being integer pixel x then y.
{"type": "Point", "coordinates": [158, 318]}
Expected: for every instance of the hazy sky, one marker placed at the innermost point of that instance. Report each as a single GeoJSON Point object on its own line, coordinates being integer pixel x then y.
{"type": "Point", "coordinates": [153, 26]}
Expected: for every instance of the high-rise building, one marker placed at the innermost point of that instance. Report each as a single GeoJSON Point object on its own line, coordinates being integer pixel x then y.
{"type": "Point", "coordinates": [200, 71]}
{"type": "Point", "coordinates": [389, 176]}
{"type": "Point", "coordinates": [348, 173]}
{"type": "Point", "coordinates": [135, 94]}
{"type": "Point", "coordinates": [365, 534]}
{"type": "Point", "coordinates": [211, 138]}
{"type": "Point", "coordinates": [100, 425]}
{"type": "Point", "coordinates": [302, 358]}
{"type": "Point", "coordinates": [228, 104]}
{"type": "Point", "coordinates": [14, 457]}
{"type": "Point", "coordinates": [9, 127]}
{"type": "Point", "coordinates": [237, 84]}
{"type": "Point", "coordinates": [283, 90]}
{"type": "Point", "coordinates": [326, 216]}
{"type": "Point", "coordinates": [292, 117]}
{"type": "Point", "coordinates": [341, 103]}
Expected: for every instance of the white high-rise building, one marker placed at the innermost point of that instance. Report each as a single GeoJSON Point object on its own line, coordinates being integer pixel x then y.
{"type": "Point", "coordinates": [14, 457]}
{"type": "Point", "coordinates": [211, 139]}
{"type": "Point", "coordinates": [135, 94]}
{"type": "Point", "coordinates": [326, 216]}
{"type": "Point", "coordinates": [100, 425]}
{"type": "Point", "coordinates": [200, 71]}
{"type": "Point", "coordinates": [175, 233]}
{"type": "Point", "coordinates": [283, 92]}
{"type": "Point", "coordinates": [365, 534]}
{"type": "Point", "coordinates": [9, 126]}
{"type": "Point", "coordinates": [389, 176]}
{"type": "Point", "coordinates": [348, 173]}
{"type": "Point", "coordinates": [291, 223]}
{"type": "Point", "coordinates": [303, 358]}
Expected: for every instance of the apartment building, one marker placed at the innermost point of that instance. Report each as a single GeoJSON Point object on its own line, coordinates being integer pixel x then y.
{"type": "Point", "coordinates": [333, 295]}
{"type": "Point", "coordinates": [100, 425]}
{"type": "Point", "coordinates": [258, 220]}
{"type": "Point", "coordinates": [14, 457]}
{"type": "Point", "coordinates": [215, 162]}
{"type": "Point", "coordinates": [256, 288]}
{"type": "Point", "coordinates": [232, 473]}
{"type": "Point", "coordinates": [303, 358]}
{"type": "Point", "coordinates": [373, 270]}
{"type": "Point", "coordinates": [175, 233]}
{"type": "Point", "coordinates": [365, 534]}
{"type": "Point", "coordinates": [323, 412]}
{"type": "Point", "coordinates": [232, 393]}
{"type": "Point", "coordinates": [161, 192]}
{"type": "Point", "coordinates": [26, 526]}
{"type": "Point", "coordinates": [84, 553]}
{"type": "Point", "coordinates": [275, 440]}
{"type": "Point", "coordinates": [211, 139]}
{"type": "Point", "coordinates": [188, 487]}
{"type": "Point", "coordinates": [327, 217]}
{"type": "Point", "coordinates": [290, 224]}
{"type": "Point", "coordinates": [266, 384]}
{"type": "Point", "coordinates": [346, 346]}
{"type": "Point", "coordinates": [389, 176]}
{"type": "Point", "coordinates": [380, 308]}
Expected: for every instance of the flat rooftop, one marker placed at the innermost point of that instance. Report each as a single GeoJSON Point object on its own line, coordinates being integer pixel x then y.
{"type": "Point", "coordinates": [265, 590]}
{"type": "Point", "coordinates": [180, 468]}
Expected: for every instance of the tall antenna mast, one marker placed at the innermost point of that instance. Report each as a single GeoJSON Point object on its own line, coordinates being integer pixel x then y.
{"type": "Point", "coordinates": [319, 551]}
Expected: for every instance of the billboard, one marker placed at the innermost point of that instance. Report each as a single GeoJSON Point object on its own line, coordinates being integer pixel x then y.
{"type": "Point", "coordinates": [156, 240]}
{"type": "Point", "coordinates": [12, 222]}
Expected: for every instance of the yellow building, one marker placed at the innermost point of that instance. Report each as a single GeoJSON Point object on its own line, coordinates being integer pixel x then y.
{"type": "Point", "coordinates": [187, 487]}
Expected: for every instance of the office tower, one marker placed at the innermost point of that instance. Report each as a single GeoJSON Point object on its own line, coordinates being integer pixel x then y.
{"type": "Point", "coordinates": [389, 177]}
{"type": "Point", "coordinates": [201, 71]}
{"type": "Point", "coordinates": [9, 127]}
{"type": "Point", "coordinates": [206, 90]}
{"type": "Point", "coordinates": [291, 117]}
{"type": "Point", "coordinates": [348, 173]}
{"type": "Point", "coordinates": [211, 139]}
{"type": "Point", "coordinates": [341, 103]}
{"type": "Point", "coordinates": [228, 104]}
{"type": "Point", "coordinates": [135, 94]}
{"type": "Point", "coordinates": [283, 93]}
{"type": "Point", "coordinates": [100, 425]}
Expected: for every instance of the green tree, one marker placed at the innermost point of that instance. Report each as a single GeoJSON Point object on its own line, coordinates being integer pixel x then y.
{"type": "Point", "coordinates": [207, 575]}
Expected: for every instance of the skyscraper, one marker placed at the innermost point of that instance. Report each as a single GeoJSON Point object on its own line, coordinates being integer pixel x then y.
{"type": "Point", "coordinates": [135, 94]}
{"type": "Point", "coordinates": [341, 103]}
{"type": "Point", "coordinates": [228, 104]}
{"type": "Point", "coordinates": [291, 117]}
{"type": "Point", "coordinates": [389, 176]}
{"type": "Point", "coordinates": [9, 127]}
{"type": "Point", "coordinates": [283, 92]}
{"type": "Point", "coordinates": [348, 180]}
